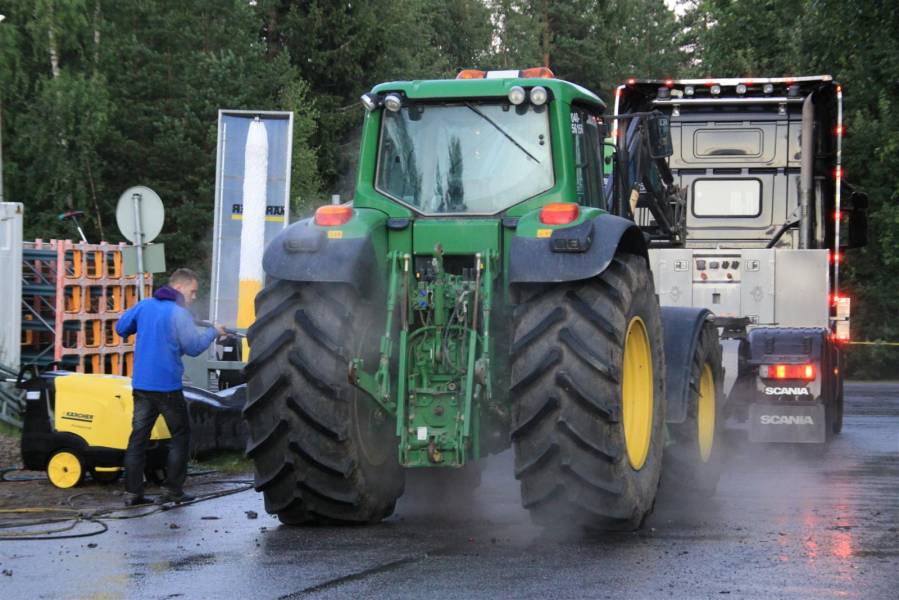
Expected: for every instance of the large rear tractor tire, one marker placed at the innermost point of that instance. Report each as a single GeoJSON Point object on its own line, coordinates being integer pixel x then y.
{"type": "Point", "coordinates": [694, 456]}
{"type": "Point", "coordinates": [322, 449]}
{"type": "Point", "coordinates": [588, 387]}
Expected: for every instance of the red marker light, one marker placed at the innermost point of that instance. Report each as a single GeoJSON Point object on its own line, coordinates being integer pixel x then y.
{"type": "Point", "coordinates": [669, 82]}
{"type": "Point", "coordinates": [631, 81]}
{"type": "Point", "coordinates": [839, 89]}
{"type": "Point", "coordinates": [835, 257]}
{"type": "Point", "coordinates": [840, 130]}
{"type": "Point", "coordinates": [838, 172]}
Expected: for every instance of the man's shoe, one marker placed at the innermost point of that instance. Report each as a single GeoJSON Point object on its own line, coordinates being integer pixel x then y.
{"type": "Point", "coordinates": [177, 498]}
{"type": "Point", "coordinates": [137, 500]}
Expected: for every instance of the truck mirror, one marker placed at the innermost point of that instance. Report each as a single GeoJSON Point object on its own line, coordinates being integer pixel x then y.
{"type": "Point", "coordinates": [659, 129]}
{"type": "Point", "coordinates": [858, 200]}
{"type": "Point", "coordinates": [857, 228]}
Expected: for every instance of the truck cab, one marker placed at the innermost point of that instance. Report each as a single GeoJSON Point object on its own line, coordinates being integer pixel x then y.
{"type": "Point", "coordinates": [764, 218]}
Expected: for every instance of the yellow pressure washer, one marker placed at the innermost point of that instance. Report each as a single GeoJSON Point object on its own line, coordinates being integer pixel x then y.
{"type": "Point", "coordinates": [77, 423]}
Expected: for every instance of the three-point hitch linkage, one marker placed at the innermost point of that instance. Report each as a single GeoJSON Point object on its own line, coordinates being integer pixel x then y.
{"type": "Point", "coordinates": [443, 366]}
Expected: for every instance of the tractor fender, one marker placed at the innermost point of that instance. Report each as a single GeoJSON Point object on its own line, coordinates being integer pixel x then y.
{"type": "Point", "coordinates": [533, 260]}
{"type": "Point", "coordinates": [681, 327]}
{"type": "Point", "coordinates": [309, 253]}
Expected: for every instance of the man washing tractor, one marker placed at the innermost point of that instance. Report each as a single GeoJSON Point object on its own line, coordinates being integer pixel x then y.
{"type": "Point", "coordinates": [165, 331]}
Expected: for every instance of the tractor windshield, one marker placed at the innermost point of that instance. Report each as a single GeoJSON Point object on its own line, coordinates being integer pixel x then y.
{"type": "Point", "coordinates": [474, 158]}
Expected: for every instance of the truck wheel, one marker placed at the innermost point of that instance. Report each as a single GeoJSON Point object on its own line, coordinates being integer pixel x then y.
{"type": "Point", "coordinates": [322, 449]}
{"type": "Point", "coordinates": [588, 383]}
{"type": "Point", "coordinates": [694, 456]}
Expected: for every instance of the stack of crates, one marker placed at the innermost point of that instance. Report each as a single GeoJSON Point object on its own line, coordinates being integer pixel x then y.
{"type": "Point", "coordinates": [91, 293]}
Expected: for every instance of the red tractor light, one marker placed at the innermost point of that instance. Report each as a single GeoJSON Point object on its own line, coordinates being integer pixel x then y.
{"type": "Point", "coordinates": [559, 213]}
{"type": "Point", "coordinates": [332, 215]}
{"type": "Point", "coordinates": [805, 372]}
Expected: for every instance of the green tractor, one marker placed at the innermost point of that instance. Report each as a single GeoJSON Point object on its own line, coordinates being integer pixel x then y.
{"type": "Point", "coordinates": [478, 294]}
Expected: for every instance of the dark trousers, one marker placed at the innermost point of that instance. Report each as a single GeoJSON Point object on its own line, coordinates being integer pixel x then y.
{"type": "Point", "coordinates": [147, 408]}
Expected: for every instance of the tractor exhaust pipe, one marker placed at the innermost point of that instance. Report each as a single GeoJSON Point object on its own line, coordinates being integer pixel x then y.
{"type": "Point", "coordinates": [806, 189]}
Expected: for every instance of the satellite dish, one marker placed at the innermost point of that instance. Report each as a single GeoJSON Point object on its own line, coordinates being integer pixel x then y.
{"type": "Point", "coordinates": [151, 218]}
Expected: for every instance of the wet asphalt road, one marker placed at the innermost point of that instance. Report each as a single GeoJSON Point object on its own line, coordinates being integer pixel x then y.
{"type": "Point", "coordinates": [784, 524]}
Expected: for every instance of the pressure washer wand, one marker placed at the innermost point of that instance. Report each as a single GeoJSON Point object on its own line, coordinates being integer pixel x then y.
{"type": "Point", "coordinates": [200, 323]}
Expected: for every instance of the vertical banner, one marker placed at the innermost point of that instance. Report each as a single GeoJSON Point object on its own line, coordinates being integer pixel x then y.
{"type": "Point", "coordinates": [252, 205]}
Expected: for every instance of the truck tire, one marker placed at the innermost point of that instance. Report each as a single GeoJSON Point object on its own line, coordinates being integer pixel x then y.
{"type": "Point", "coordinates": [588, 387]}
{"type": "Point", "coordinates": [694, 455]}
{"type": "Point", "coordinates": [322, 450]}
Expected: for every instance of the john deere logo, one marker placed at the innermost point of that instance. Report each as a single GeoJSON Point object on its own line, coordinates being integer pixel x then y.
{"type": "Point", "coordinates": [74, 416]}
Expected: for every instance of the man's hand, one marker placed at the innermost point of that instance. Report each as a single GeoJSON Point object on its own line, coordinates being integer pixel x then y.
{"type": "Point", "coordinates": [220, 329]}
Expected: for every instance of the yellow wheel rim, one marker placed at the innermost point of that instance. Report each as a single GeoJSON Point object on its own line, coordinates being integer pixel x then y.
{"type": "Point", "coordinates": [64, 470]}
{"type": "Point", "coordinates": [636, 393]}
{"type": "Point", "coordinates": [705, 414]}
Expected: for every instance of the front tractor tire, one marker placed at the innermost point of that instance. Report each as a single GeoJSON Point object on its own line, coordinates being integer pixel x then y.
{"type": "Point", "coordinates": [694, 456]}
{"type": "Point", "coordinates": [588, 386]}
{"type": "Point", "coordinates": [322, 450]}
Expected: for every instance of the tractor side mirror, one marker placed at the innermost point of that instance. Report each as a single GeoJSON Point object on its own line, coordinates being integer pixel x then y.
{"type": "Point", "coordinates": [659, 129]}
{"type": "Point", "coordinates": [608, 158]}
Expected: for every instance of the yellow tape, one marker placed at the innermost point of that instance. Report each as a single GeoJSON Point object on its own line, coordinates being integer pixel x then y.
{"type": "Point", "coordinates": [874, 343]}
{"type": "Point", "coordinates": [269, 218]}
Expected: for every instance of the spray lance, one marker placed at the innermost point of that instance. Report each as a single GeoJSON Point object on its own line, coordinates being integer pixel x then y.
{"type": "Point", "coordinates": [234, 332]}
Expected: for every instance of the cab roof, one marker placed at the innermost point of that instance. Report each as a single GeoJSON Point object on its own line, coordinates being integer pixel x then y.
{"type": "Point", "coordinates": [435, 89]}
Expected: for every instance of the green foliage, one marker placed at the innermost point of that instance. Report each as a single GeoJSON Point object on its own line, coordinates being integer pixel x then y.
{"type": "Point", "coordinates": [594, 43]}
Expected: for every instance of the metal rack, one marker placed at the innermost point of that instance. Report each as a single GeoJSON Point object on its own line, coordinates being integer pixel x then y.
{"type": "Point", "coordinates": [72, 297]}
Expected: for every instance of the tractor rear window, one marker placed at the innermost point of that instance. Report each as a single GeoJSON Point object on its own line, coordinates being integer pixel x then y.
{"type": "Point", "coordinates": [727, 198]}
{"type": "Point", "coordinates": [464, 158]}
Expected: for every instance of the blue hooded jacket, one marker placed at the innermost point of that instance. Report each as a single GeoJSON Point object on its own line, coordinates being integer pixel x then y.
{"type": "Point", "coordinates": [165, 331]}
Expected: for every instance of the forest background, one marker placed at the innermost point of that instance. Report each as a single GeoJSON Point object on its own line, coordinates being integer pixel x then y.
{"type": "Point", "coordinates": [100, 95]}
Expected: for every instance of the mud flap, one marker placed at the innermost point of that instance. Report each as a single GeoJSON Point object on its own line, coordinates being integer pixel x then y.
{"type": "Point", "coordinates": [804, 424]}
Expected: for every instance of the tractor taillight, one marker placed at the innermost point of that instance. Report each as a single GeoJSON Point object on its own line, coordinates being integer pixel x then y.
{"type": "Point", "coordinates": [559, 213]}
{"type": "Point", "coordinates": [333, 214]}
{"type": "Point", "coordinates": [806, 372]}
